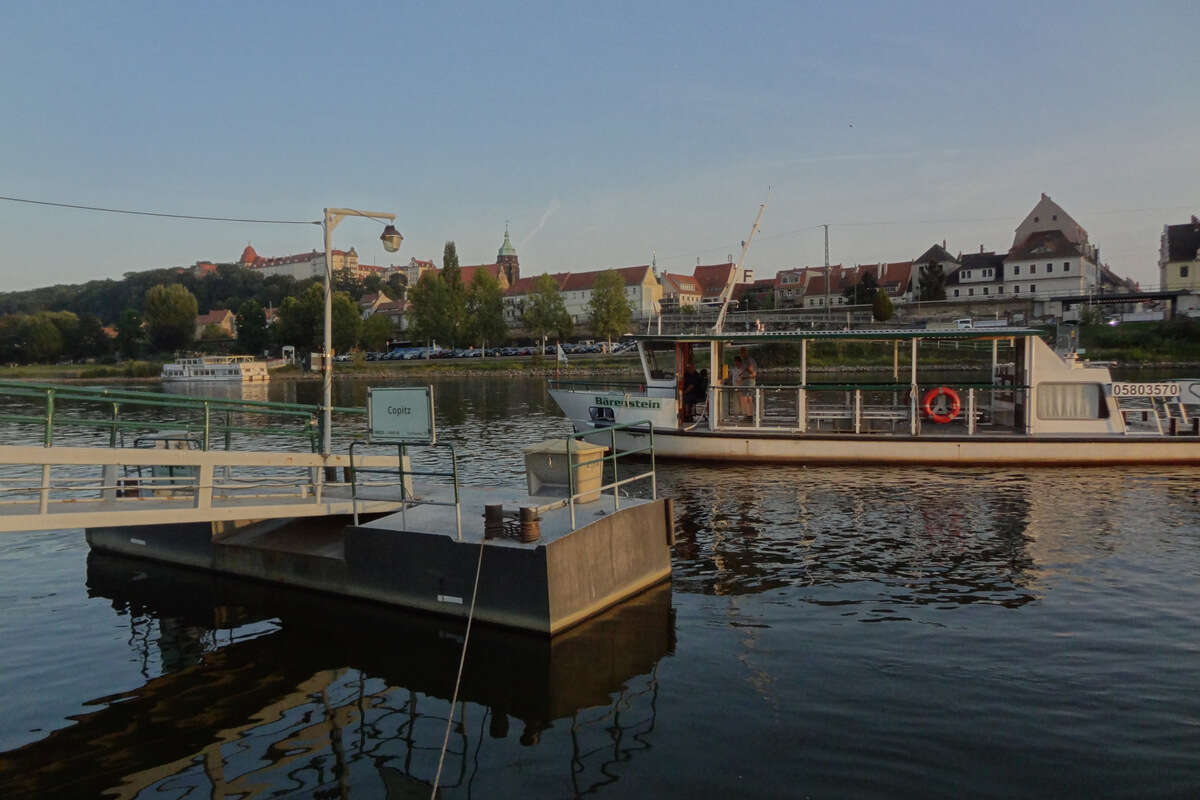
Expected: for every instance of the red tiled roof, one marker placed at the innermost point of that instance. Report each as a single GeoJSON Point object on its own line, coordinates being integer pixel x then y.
{"type": "Point", "coordinates": [248, 256]}
{"type": "Point", "coordinates": [579, 281]}
{"type": "Point", "coordinates": [713, 277]}
{"type": "Point", "coordinates": [468, 273]}
{"type": "Point", "coordinates": [214, 317]}
{"type": "Point", "coordinates": [838, 280]}
{"type": "Point", "coordinates": [682, 283]}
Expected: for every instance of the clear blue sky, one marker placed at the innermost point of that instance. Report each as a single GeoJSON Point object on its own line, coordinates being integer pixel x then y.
{"type": "Point", "coordinates": [602, 131]}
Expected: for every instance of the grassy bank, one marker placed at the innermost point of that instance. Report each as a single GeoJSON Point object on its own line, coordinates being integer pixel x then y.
{"type": "Point", "coordinates": [126, 370]}
{"type": "Point", "coordinates": [1170, 341]}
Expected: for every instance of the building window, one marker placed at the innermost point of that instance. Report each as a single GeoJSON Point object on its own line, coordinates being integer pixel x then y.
{"type": "Point", "coordinates": [1016, 270]}
{"type": "Point", "coordinates": [1033, 269]}
{"type": "Point", "coordinates": [956, 292]}
{"type": "Point", "coordinates": [1016, 289]}
{"type": "Point", "coordinates": [1049, 268]}
{"type": "Point", "coordinates": [985, 290]}
{"type": "Point", "coordinates": [966, 273]}
{"type": "Point", "coordinates": [1032, 288]}
{"type": "Point", "coordinates": [1183, 271]}
{"type": "Point", "coordinates": [999, 290]}
{"type": "Point", "coordinates": [1066, 266]}
{"type": "Point", "coordinates": [970, 292]}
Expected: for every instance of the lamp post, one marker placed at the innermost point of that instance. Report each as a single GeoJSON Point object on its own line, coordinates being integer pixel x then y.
{"type": "Point", "coordinates": [391, 239]}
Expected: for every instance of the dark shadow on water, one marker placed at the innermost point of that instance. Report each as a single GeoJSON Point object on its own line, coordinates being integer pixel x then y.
{"type": "Point", "coordinates": [262, 690]}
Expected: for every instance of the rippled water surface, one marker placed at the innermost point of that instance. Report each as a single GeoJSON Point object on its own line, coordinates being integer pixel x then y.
{"type": "Point", "coordinates": [859, 632]}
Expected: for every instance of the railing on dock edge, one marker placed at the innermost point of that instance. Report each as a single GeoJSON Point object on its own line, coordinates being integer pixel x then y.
{"type": "Point", "coordinates": [402, 472]}
{"type": "Point", "coordinates": [213, 418]}
{"type": "Point", "coordinates": [614, 456]}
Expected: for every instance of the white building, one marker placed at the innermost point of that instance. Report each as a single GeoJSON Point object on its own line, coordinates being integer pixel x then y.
{"type": "Point", "coordinates": [1051, 255]}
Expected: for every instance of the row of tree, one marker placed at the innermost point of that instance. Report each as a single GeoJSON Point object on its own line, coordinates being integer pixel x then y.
{"type": "Point", "coordinates": [447, 311]}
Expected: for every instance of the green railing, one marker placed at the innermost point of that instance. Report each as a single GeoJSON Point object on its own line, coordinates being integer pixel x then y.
{"type": "Point", "coordinates": [212, 420]}
{"type": "Point", "coordinates": [613, 455]}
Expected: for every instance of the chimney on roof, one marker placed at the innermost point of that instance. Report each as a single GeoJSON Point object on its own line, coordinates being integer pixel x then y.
{"type": "Point", "coordinates": [943, 244]}
{"type": "Point", "coordinates": [981, 249]}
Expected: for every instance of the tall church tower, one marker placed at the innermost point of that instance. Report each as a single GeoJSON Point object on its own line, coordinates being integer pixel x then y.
{"type": "Point", "coordinates": [507, 260]}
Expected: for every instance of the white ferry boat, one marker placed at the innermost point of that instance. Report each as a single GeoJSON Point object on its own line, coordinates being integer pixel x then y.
{"type": "Point", "coordinates": [244, 369]}
{"type": "Point", "coordinates": [1036, 407]}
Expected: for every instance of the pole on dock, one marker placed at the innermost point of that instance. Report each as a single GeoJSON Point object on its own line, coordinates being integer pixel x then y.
{"type": "Point", "coordinates": [391, 239]}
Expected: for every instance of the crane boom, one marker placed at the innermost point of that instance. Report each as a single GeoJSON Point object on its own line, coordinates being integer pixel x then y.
{"type": "Point", "coordinates": [727, 292]}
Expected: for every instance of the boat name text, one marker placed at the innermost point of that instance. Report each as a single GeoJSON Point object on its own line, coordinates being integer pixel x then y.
{"type": "Point", "coordinates": [627, 402]}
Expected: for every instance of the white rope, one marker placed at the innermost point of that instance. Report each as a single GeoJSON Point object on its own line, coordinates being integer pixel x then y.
{"type": "Point", "coordinates": [462, 659]}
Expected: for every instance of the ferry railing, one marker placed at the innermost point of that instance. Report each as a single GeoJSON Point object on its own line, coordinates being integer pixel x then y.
{"type": "Point", "coordinates": [214, 421]}
{"type": "Point", "coordinates": [403, 474]}
{"type": "Point", "coordinates": [850, 407]}
{"type": "Point", "coordinates": [41, 486]}
{"type": "Point", "coordinates": [613, 456]}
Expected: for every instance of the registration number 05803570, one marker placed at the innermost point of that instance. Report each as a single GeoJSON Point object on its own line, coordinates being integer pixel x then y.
{"type": "Point", "coordinates": [1167, 389]}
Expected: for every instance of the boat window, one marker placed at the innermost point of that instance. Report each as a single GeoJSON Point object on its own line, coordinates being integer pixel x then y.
{"type": "Point", "coordinates": [1071, 401]}
{"type": "Point", "coordinates": [660, 358]}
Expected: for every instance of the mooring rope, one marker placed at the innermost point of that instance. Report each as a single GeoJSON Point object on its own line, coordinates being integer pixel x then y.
{"type": "Point", "coordinates": [462, 660]}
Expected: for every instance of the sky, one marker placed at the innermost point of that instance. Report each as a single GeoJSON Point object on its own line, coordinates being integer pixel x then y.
{"type": "Point", "coordinates": [603, 134]}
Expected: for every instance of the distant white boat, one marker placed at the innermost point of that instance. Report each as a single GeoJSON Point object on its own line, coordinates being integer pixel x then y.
{"type": "Point", "coordinates": [244, 369]}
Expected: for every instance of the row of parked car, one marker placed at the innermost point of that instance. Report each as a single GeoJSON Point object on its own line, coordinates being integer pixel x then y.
{"type": "Point", "coordinates": [413, 353]}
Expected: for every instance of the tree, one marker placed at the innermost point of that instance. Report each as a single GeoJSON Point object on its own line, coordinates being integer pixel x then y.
{"type": "Point", "coordinates": [170, 316]}
{"type": "Point", "coordinates": [609, 310]}
{"type": "Point", "coordinates": [862, 292]}
{"type": "Point", "coordinates": [213, 333]}
{"type": "Point", "coordinates": [485, 310]}
{"type": "Point", "coordinates": [881, 306]}
{"type": "Point", "coordinates": [347, 323]}
{"type": "Point", "coordinates": [302, 320]}
{"type": "Point", "coordinates": [43, 339]}
{"type": "Point", "coordinates": [932, 284]}
{"type": "Point", "coordinates": [130, 335]}
{"type": "Point", "coordinates": [376, 331]}
{"type": "Point", "coordinates": [456, 322]}
{"type": "Point", "coordinates": [251, 327]}
{"type": "Point", "coordinates": [545, 312]}
{"type": "Point", "coordinates": [90, 339]}
{"type": "Point", "coordinates": [430, 317]}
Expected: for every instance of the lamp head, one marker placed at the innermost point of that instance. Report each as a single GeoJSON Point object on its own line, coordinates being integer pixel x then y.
{"type": "Point", "coordinates": [391, 239]}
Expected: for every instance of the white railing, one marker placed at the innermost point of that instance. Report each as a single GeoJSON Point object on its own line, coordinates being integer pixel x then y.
{"type": "Point", "coordinates": [44, 488]}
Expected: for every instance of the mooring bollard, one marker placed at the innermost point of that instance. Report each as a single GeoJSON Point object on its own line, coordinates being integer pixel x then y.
{"type": "Point", "coordinates": [493, 522]}
{"type": "Point", "coordinates": [531, 529]}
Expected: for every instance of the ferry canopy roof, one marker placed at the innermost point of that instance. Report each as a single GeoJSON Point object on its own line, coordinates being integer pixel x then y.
{"type": "Point", "coordinates": [889, 334]}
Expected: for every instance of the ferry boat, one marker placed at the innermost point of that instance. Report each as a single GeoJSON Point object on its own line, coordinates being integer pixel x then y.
{"type": "Point", "coordinates": [245, 369]}
{"type": "Point", "coordinates": [1035, 406]}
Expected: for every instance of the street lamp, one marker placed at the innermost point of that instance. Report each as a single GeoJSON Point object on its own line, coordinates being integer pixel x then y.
{"type": "Point", "coordinates": [391, 239]}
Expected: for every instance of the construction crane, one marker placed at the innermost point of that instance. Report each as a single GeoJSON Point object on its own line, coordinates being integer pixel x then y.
{"type": "Point", "coordinates": [727, 292]}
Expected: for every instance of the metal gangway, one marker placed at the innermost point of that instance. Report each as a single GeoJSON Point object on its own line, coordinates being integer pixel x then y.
{"type": "Point", "coordinates": [169, 459]}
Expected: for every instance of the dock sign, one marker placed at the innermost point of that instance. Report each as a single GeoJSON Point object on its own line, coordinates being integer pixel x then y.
{"type": "Point", "coordinates": [400, 414]}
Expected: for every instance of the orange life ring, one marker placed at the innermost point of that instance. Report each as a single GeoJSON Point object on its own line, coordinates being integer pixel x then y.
{"type": "Point", "coordinates": [942, 415]}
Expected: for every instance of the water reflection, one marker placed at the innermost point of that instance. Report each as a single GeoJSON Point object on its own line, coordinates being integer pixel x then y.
{"type": "Point", "coordinates": [220, 390]}
{"type": "Point", "coordinates": [263, 691]}
{"type": "Point", "coordinates": [925, 536]}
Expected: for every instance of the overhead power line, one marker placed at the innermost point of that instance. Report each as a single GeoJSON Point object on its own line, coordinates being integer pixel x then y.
{"type": "Point", "coordinates": [160, 213]}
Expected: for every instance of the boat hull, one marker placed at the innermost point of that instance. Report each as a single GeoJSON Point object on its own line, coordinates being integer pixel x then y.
{"type": "Point", "coordinates": [728, 446]}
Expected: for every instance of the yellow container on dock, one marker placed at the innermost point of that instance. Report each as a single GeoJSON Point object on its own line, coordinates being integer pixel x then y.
{"type": "Point", "coordinates": [546, 468]}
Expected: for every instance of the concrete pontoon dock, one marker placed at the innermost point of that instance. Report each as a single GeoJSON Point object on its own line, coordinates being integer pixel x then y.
{"type": "Point", "coordinates": [414, 558]}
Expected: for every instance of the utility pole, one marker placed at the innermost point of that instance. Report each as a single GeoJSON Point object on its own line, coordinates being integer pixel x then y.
{"type": "Point", "coordinates": [828, 310]}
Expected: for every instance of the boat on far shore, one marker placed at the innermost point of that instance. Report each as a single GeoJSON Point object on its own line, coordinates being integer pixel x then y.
{"type": "Point", "coordinates": [204, 369]}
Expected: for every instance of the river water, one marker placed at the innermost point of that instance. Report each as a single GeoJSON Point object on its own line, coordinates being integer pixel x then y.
{"type": "Point", "coordinates": [857, 632]}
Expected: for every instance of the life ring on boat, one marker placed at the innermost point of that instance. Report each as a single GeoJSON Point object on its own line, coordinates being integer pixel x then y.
{"type": "Point", "coordinates": [947, 409]}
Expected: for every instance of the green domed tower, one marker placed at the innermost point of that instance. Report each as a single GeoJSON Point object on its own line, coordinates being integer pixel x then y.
{"type": "Point", "coordinates": [507, 259]}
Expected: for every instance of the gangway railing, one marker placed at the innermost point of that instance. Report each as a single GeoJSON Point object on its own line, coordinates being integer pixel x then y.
{"type": "Point", "coordinates": [613, 455]}
{"type": "Point", "coordinates": [52, 488]}
{"type": "Point", "coordinates": [403, 474]}
{"type": "Point", "coordinates": [212, 420]}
